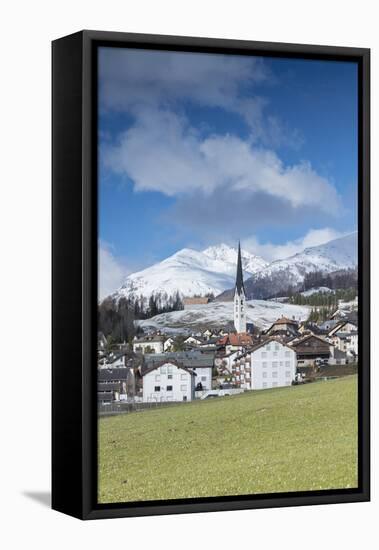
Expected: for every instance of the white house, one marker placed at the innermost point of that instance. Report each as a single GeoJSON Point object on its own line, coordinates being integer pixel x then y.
{"type": "Point", "coordinates": [269, 364]}
{"type": "Point", "coordinates": [148, 344]}
{"type": "Point", "coordinates": [346, 341]}
{"type": "Point", "coordinates": [168, 381]}
{"type": "Point", "coordinates": [343, 327]}
{"type": "Point", "coordinates": [345, 336]}
{"type": "Point", "coordinates": [193, 340]}
{"type": "Point", "coordinates": [203, 377]}
{"type": "Point", "coordinates": [168, 344]}
{"type": "Point", "coordinates": [199, 362]}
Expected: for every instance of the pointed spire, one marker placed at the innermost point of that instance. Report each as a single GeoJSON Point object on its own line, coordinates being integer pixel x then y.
{"type": "Point", "coordinates": [239, 278]}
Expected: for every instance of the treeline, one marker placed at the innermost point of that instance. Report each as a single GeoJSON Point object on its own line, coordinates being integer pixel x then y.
{"type": "Point", "coordinates": [320, 314]}
{"type": "Point", "coordinates": [343, 279]}
{"type": "Point", "coordinates": [116, 318]}
{"type": "Point", "coordinates": [329, 299]}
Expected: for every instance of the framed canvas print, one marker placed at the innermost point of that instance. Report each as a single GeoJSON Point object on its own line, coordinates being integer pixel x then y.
{"type": "Point", "coordinates": [210, 275]}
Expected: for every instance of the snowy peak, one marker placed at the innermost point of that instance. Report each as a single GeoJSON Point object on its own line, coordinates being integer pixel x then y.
{"type": "Point", "coordinates": [225, 253]}
{"type": "Point", "coordinates": [341, 252]}
{"type": "Point", "coordinates": [191, 273]}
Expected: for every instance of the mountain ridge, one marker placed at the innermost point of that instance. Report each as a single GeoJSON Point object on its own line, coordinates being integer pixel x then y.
{"type": "Point", "coordinates": [212, 271]}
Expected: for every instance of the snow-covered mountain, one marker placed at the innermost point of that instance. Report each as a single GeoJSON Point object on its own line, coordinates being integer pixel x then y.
{"type": "Point", "coordinates": [191, 273]}
{"type": "Point", "coordinates": [213, 270]}
{"type": "Point", "coordinates": [335, 255]}
{"type": "Point", "coordinates": [341, 253]}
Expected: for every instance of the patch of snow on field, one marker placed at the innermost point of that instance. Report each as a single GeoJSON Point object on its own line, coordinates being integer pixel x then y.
{"type": "Point", "coordinates": [317, 290]}
{"type": "Point", "coordinates": [217, 314]}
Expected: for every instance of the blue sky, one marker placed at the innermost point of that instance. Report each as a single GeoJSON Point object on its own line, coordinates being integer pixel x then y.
{"type": "Point", "coordinates": [200, 149]}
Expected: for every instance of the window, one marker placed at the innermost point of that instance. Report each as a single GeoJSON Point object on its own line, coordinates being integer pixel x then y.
{"type": "Point", "coordinates": [275, 354]}
{"type": "Point", "coordinates": [264, 364]}
{"type": "Point", "coordinates": [287, 353]}
{"type": "Point", "coordinates": [203, 378]}
{"type": "Point", "coordinates": [274, 384]}
{"type": "Point", "coordinates": [281, 363]}
{"type": "Point", "coordinates": [157, 378]}
{"type": "Point", "coordinates": [288, 364]}
{"type": "Point", "coordinates": [183, 387]}
{"type": "Point", "coordinates": [163, 370]}
{"type": "Point", "coordinates": [183, 377]}
{"type": "Point", "coordinates": [264, 374]}
{"type": "Point", "coordinates": [264, 385]}
{"type": "Point", "coordinates": [277, 347]}
{"type": "Point", "coordinates": [275, 374]}
{"type": "Point", "coordinates": [157, 388]}
{"type": "Point", "coordinates": [288, 373]}
{"type": "Point", "coordinates": [169, 376]}
{"type": "Point", "coordinates": [169, 369]}
{"type": "Point", "coordinates": [169, 388]}
{"type": "Point", "coordinates": [268, 347]}
{"type": "Point", "coordinates": [274, 364]}
{"type": "Point", "coordinates": [264, 354]}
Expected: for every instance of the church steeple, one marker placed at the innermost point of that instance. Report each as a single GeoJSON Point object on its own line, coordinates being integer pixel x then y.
{"type": "Point", "coordinates": [239, 278]}
{"type": "Point", "coordinates": [239, 297]}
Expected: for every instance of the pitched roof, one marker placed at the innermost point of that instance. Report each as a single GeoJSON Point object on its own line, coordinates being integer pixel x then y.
{"type": "Point", "coordinates": [307, 337]}
{"type": "Point", "coordinates": [341, 324]}
{"type": "Point", "coordinates": [239, 278]}
{"type": "Point", "coordinates": [112, 375]}
{"type": "Point", "coordinates": [155, 366]}
{"type": "Point", "coordinates": [189, 359]}
{"type": "Point", "coordinates": [263, 343]}
{"type": "Point", "coordinates": [284, 321]}
{"type": "Point", "coordinates": [240, 339]}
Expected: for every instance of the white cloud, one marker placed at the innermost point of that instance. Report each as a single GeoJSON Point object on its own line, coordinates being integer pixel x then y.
{"type": "Point", "coordinates": [162, 152]}
{"type": "Point", "coordinates": [131, 78]}
{"type": "Point", "coordinates": [111, 271]}
{"type": "Point", "coordinates": [135, 80]}
{"type": "Point", "coordinates": [271, 252]}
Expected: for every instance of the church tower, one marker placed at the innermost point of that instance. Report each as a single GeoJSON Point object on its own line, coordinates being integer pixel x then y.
{"type": "Point", "coordinates": [239, 297]}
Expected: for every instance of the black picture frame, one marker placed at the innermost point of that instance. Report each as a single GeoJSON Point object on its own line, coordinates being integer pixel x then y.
{"type": "Point", "coordinates": [74, 273]}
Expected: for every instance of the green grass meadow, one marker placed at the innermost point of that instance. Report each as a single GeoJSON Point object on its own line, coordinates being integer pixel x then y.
{"type": "Point", "coordinates": [298, 438]}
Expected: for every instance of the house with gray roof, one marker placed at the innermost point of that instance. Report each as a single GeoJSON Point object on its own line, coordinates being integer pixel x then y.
{"type": "Point", "coordinates": [200, 362]}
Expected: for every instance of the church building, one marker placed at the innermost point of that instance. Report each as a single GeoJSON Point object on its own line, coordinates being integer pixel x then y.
{"type": "Point", "coordinates": [239, 297]}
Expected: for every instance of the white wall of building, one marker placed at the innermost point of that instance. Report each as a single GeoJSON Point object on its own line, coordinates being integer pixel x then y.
{"type": "Point", "coordinates": [203, 375]}
{"type": "Point", "coordinates": [348, 342]}
{"type": "Point", "coordinates": [192, 340]}
{"type": "Point", "coordinates": [167, 344]}
{"type": "Point", "coordinates": [174, 383]}
{"type": "Point", "coordinates": [272, 365]}
{"type": "Point", "coordinates": [156, 346]}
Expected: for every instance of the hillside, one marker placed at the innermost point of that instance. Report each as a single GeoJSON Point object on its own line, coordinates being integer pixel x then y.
{"type": "Point", "coordinates": [219, 314]}
{"type": "Point", "coordinates": [287, 439]}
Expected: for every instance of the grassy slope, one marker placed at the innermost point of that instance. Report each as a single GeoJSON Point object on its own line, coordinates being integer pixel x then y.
{"type": "Point", "coordinates": [286, 439]}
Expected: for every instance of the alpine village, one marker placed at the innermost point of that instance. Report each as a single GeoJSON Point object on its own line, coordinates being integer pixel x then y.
{"type": "Point", "coordinates": [155, 368]}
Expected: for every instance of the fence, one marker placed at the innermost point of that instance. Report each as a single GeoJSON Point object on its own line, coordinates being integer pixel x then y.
{"type": "Point", "coordinates": [113, 408]}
